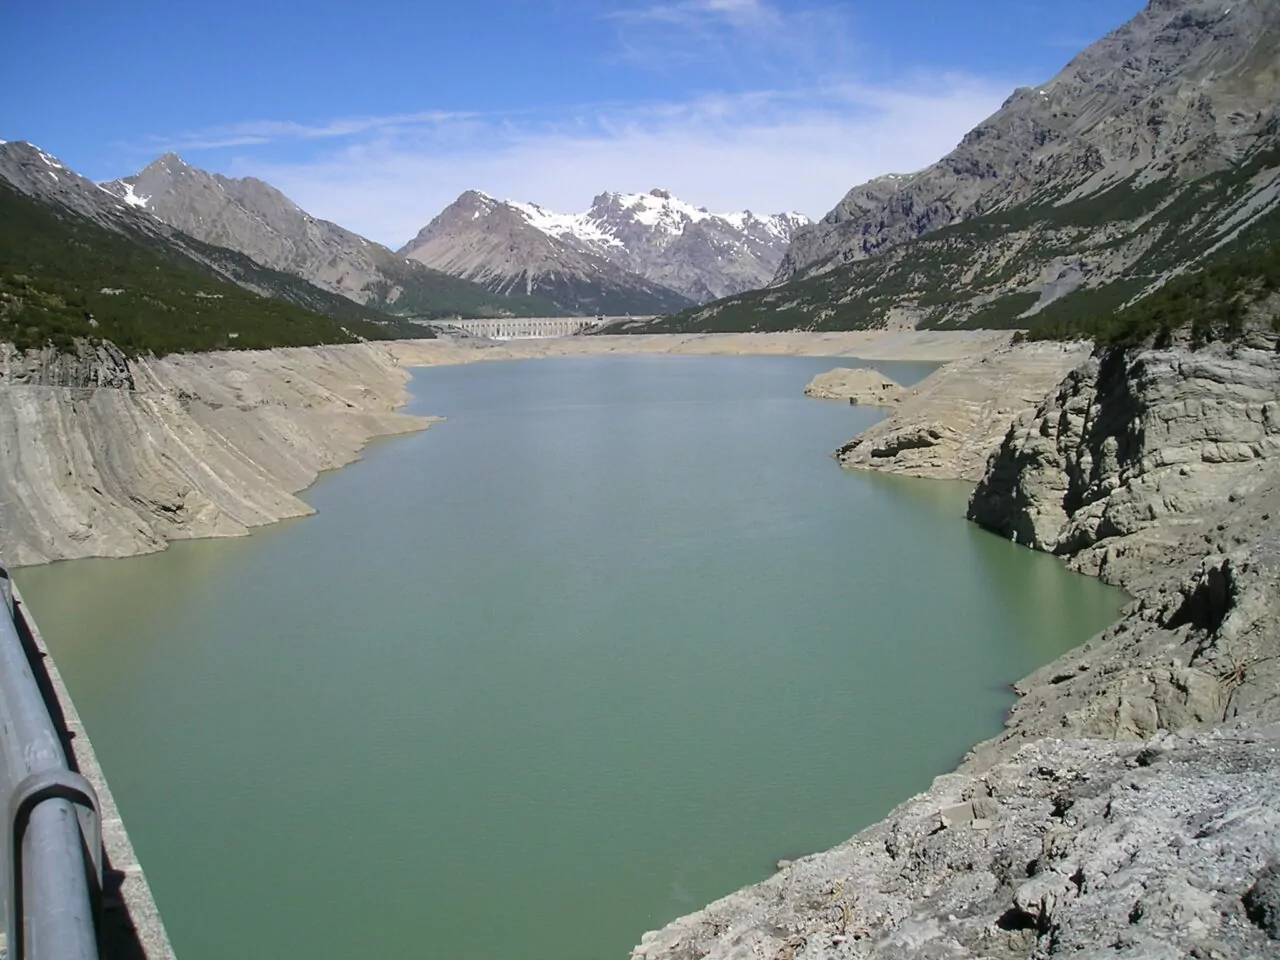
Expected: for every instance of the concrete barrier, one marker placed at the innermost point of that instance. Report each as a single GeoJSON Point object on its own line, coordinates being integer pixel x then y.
{"type": "Point", "coordinates": [71, 882]}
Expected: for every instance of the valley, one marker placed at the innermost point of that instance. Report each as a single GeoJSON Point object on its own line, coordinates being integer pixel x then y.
{"type": "Point", "coordinates": [647, 624]}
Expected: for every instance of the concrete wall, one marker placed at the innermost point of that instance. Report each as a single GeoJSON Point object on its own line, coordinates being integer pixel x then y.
{"type": "Point", "coordinates": [132, 928]}
{"type": "Point", "coordinates": [524, 328]}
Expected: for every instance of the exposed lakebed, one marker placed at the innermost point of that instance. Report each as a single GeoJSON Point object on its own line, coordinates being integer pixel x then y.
{"type": "Point", "coordinates": [596, 650]}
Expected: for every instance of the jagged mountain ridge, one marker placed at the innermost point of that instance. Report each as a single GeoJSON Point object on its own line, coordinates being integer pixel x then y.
{"type": "Point", "coordinates": [654, 236]}
{"type": "Point", "coordinates": [253, 217]}
{"type": "Point", "coordinates": [495, 244]}
{"type": "Point", "coordinates": [1155, 148]}
{"type": "Point", "coordinates": [700, 254]}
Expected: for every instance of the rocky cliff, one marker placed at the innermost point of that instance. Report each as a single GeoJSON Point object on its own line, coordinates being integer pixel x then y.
{"type": "Point", "coordinates": [1129, 809]}
{"type": "Point", "coordinates": [1134, 452]}
{"type": "Point", "coordinates": [108, 457]}
{"type": "Point", "coordinates": [949, 424]}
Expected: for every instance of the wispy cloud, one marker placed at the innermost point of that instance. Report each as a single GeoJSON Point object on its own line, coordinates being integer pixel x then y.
{"type": "Point", "coordinates": [738, 37]}
{"type": "Point", "coordinates": [785, 121]}
{"type": "Point", "coordinates": [258, 132]}
{"type": "Point", "coordinates": [764, 150]}
{"type": "Point", "coordinates": [702, 13]}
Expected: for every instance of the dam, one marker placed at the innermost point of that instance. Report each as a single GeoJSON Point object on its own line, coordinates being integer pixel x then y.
{"type": "Point", "coordinates": [524, 328]}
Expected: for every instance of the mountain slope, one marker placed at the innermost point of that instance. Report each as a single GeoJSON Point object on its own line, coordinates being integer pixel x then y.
{"type": "Point", "coordinates": [64, 277]}
{"type": "Point", "coordinates": [254, 218]}
{"type": "Point", "coordinates": [500, 246]}
{"type": "Point", "coordinates": [1155, 148]}
{"type": "Point", "coordinates": [42, 178]}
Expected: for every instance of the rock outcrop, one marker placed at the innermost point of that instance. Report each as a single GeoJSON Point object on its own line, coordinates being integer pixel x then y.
{"type": "Point", "coordinates": [1134, 452]}
{"type": "Point", "coordinates": [105, 457]}
{"type": "Point", "coordinates": [948, 425]}
{"type": "Point", "coordinates": [862, 385]}
{"type": "Point", "coordinates": [1084, 849]}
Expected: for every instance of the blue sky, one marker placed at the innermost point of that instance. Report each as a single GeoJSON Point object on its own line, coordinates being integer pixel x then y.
{"type": "Point", "coordinates": [376, 114]}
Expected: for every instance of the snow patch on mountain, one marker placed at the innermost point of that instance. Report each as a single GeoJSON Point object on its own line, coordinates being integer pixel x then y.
{"type": "Point", "coordinates": [565, 225]}
{"type": "Point", "coordinates": [657, 210]}
{"type": "Point", "coordinates": [635, 240]}
{"type": "Point", "coordinates": [131, 198]}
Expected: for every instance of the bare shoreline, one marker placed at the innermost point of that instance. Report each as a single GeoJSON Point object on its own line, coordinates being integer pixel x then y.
{"type": "Point", "coordinates": [936, 346]}
{"type": "Point", "coordinates": [120, 458]}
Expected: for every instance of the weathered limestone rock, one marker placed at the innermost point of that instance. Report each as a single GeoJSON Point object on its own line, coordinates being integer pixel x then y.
{"type": "Point", "coordinates": [102, 365]}
{"type": "Point", "coordinates": [1152, 850]}
{"type": "Point", "coordinates": [107, 457]}
{"type": "Point", "coordinates": [948, 426]}
{"type": "Point", "coordinates": [1133, 452]}
{"type": "Point", "coordinates": [1262, 901]}
{"type": "Point", "coordinates": [857, 385]}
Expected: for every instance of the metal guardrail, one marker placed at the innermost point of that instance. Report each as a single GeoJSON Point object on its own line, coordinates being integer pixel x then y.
{"type": "Point", "coordinates": [52, 841]}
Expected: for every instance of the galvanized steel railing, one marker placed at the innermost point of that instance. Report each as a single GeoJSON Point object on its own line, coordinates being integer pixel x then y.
{"type": "Point", "coordinates": [52, 840]}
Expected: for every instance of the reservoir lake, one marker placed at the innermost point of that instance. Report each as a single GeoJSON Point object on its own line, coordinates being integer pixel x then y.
{"type": "Point", "coordinates": [595, 651]}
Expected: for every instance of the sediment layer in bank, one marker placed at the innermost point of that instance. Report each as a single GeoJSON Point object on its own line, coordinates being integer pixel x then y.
{"type": "Point", "coordinates": [108, 457]}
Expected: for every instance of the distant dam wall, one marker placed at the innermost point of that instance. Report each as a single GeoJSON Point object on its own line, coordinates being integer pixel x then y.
{"type": "Point", "coordinates": [526, 328]}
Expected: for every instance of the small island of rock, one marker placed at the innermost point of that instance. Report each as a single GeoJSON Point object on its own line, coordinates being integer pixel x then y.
{"type": "Point", "coordinates": [860, 385]}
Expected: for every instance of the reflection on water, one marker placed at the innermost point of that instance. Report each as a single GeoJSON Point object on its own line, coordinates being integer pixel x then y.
{"type": "Point", "coordinates": [598, 649]}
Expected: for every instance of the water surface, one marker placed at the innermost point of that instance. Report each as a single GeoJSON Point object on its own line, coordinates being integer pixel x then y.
{"type": "Point", "coordinates": [596, 650]}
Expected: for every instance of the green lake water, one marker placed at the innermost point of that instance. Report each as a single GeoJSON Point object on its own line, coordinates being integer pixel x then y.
{"type": "Point", "coordinates": [600, 648]}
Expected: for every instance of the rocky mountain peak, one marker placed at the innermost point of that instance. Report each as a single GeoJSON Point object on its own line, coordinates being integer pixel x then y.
{"type": "Point", "coordinates": [1185, 88]}
{"type": "Point", "coordinates": [654, 237]}
{"type": "Point", "coordinates": [252, 217]}
{"type": "Point", "coordinates": [169, 163]}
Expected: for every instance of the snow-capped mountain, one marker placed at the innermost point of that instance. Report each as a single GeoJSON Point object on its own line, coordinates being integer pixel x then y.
{"type": "Point", "coordinates": [664, 240]}
{"type": "Point", "coordinates": [497, 244]}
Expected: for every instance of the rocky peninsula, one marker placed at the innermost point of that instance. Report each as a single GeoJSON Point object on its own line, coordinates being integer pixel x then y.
{"type": "Point", "coordinates": [947, 427]}
{"type": "Point", "coordinates": [1130, 807]}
